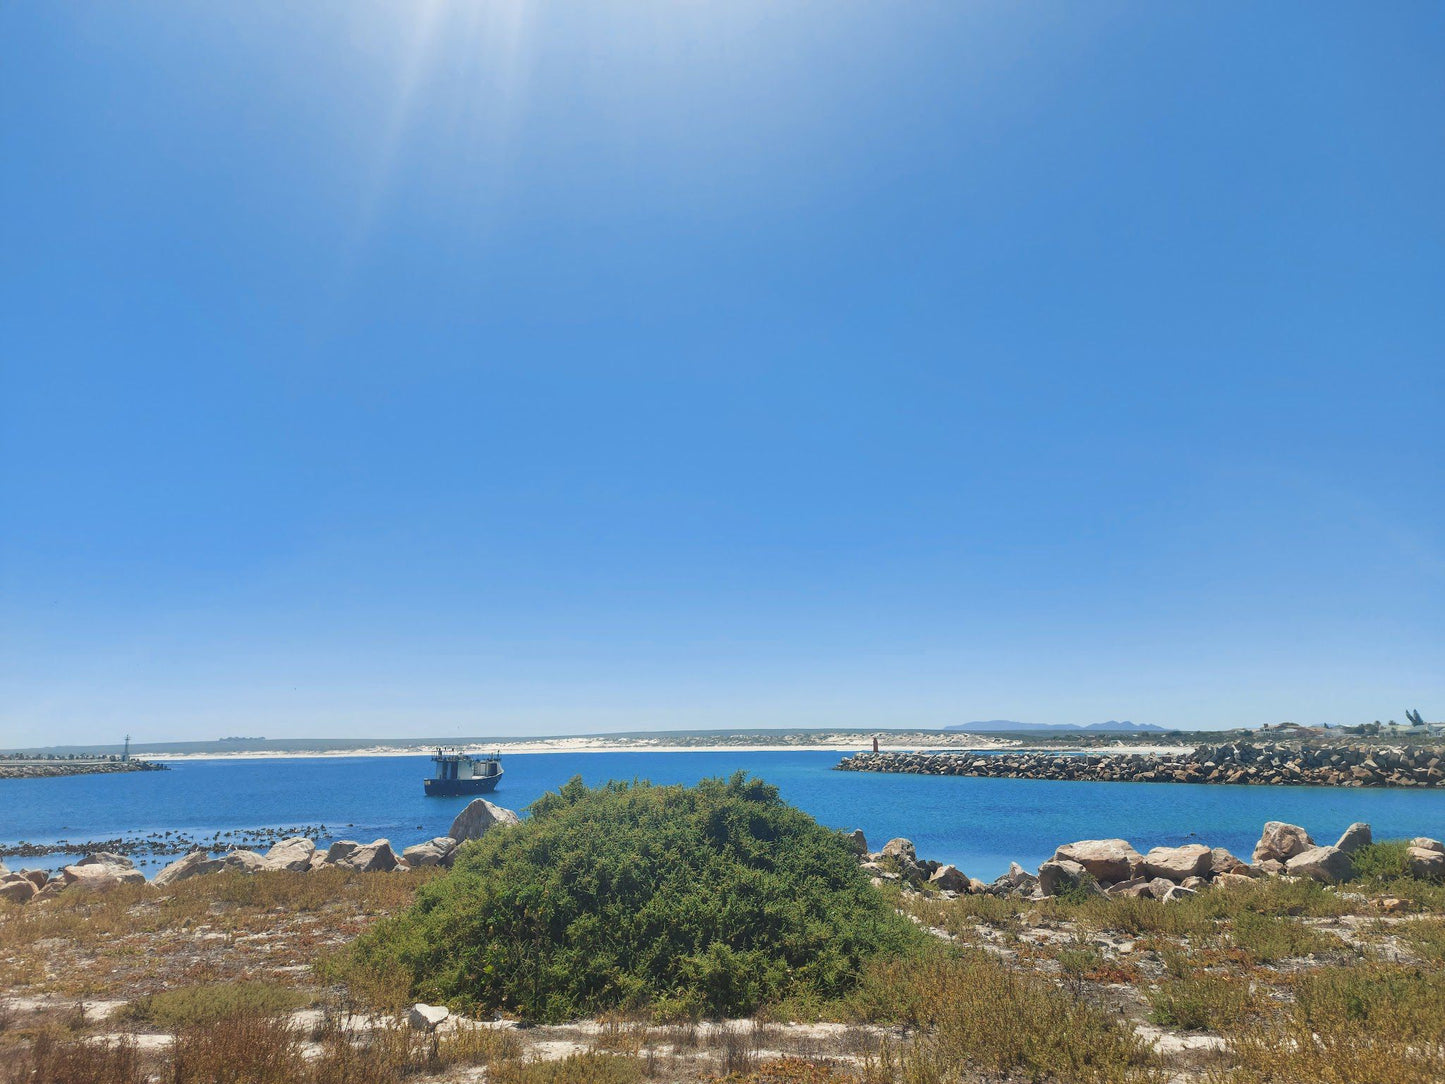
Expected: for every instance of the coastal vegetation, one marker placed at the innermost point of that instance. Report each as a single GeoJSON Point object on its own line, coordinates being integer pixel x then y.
{"type": "Point", "coordinates": [277, 975]}
{"type": "Point", "coordinates": [686, 901]}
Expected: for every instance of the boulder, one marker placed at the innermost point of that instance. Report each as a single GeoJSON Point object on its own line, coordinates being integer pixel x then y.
{"type": "Point", "coordinates": [898, 849]}
{"type": "Point", "coordinates": [1321, 864]}
{"type": "Point", "coordinates": [292, 854]}
{"type": "Point", "coordinates": [1107, 860]}
{"type": "Point", "coordinates": [1425, 862]}
{"type": "Point", "coordinates": [858, 841]}
{"type": "Point", "coordinates": [1356, 836]}
{"type": "Point", "coordinates": [1221, 861]}
{"type": "Point", "coordinates": [1427, 844]}
{"type": "Point", "coordinates": [50, 891]}
{"type": "Point", "coordinates": [1159, 887]}
{"type": "Point", "coordinates": [107, 858]}
{"type": "Point", "coordinates": [97, 876]}
{"type": "Point", "coordinates": [1195, 883]}
{"type": "Point", "coordinates": [1060, 876]}
{"type": "Point", "coordinates": [339, 851]}
{"type": "Point", "coordinates": [1281, 842]}
{"type": "Point", "coordinates": [190, 865]}
{"type": "Point", "coordinates": [480, 815]}
{"type": "Point", "coordinates": [1177, 893]}
{"type": "Point", "coordinates": [17, 889]}
{"type": "Point", "coordinates": [374, 857]}
{"type": "Point", "coordinates": [425, 1017]}
{"type": "Point", "coordinates": [1177, 863]}
{"type": "Point", "coordinates": [1019, 876]}
{"type": "Point", "coordinates": [1135, 886]}
{"type": "Point", "coordinates": [1233, 880]}
{"type": "Point", "coordinates": [950, 879]}
{"type": "Point", "coordinates": [1268, 867]}
{"type": "Point", "coordinates": [244, 861]}
{"type": "Point", "coordinates": [434, 852]}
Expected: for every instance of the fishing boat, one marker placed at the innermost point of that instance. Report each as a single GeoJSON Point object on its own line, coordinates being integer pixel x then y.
{"type": "Point", "coordinates": [459, 773]}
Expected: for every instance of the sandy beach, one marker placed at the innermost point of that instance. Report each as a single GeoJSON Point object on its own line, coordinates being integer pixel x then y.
{"type": "Point", "coordinates": [841, 743]}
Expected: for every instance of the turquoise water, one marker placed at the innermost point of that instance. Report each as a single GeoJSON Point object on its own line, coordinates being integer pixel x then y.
{"type": "Point", "coordinates": [978, 824]}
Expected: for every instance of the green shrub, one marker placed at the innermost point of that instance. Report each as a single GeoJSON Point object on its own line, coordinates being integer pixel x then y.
{"type": "Point", "coordinates": [712, 899]}
{"type": "Point", "coordinates": [1383, 861]}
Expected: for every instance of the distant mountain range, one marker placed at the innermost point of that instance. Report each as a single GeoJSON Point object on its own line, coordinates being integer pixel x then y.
{"type": "Point", "coordinates": [1009, 726]}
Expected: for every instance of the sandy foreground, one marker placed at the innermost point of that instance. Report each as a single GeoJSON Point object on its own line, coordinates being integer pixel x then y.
{"type": "Point", "coordinates": [843, 743]}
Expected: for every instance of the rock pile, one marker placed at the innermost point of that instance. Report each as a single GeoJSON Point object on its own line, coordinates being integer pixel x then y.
{"type": "Point", "coordinates": [296, 854]}
{"type": "Point", "coordinates": [48, 767]}
{"type": "Point", "coordinates": [1114, 867]}
{"type": "Point", "coordinates": [1278, 763]}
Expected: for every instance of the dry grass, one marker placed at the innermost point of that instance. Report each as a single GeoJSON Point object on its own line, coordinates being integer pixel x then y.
{"type": "Point", "coordinates": [226, 927]}
{"type": "Point", "coordinates": [49, 1060]}
{"type": "Point", "coordinates": [973, 1013]}
{"type": "Point", "coordinates": [1367, 1024]}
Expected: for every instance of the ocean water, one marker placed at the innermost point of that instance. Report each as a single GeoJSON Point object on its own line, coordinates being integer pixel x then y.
{"type": "Point", "coordinates": [980, 825]}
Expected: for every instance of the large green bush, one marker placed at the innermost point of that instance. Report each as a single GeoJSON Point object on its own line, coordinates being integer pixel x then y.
{"type": "Point", "coordinates": [703, 900]}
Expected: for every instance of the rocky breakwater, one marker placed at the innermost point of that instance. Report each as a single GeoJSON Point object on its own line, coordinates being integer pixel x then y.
{"type": "Point", "coordinates": [1273, 763]}
{"type": "Point", "coordinates": [1114, 867]}
{"type": "Point", "coordinates": [17, 767]}
{"type": "Point", "coordinates": [298, 854]}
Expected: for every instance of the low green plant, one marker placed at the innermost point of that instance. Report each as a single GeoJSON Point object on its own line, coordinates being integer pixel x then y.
{"type": "Point", "coordinates": [1382, 861]}
{"type": "Point", "coordinates": [1267, 938]}
{"type": "Point", "coordinates": [1200, 1001]}
{"type": "Point", "coordinates": [974, 1016]}
{"type": "Point", "coordinates": [1365, 1024]}
{"type": "Point", "coordinates": [193, 1006]}
{"type": "Point", "coordinates": [683, 901]}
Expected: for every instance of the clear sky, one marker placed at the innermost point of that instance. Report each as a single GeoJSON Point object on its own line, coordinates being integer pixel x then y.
{"type": "Point", "coordinates": [516, 368]}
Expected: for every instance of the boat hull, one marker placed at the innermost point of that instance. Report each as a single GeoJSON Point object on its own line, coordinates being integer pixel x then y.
{"type": "Point", "coordinates": [442, 788]}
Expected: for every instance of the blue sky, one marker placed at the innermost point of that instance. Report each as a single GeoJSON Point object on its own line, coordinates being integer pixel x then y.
{"type": "Point", "coordinates": [382, 369]}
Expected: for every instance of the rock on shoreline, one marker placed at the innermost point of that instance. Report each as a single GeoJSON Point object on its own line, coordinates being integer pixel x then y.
{"type": "Point", "coordinates": [296, 854]}
{"type": "Point", "coordinates": [1113, 867]}
{"type": "Point", "coordinates": [1272, 763]}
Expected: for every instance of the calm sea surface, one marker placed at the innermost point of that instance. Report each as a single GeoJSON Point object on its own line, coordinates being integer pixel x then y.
{"type": "Point", "coordinates": [978, 824]}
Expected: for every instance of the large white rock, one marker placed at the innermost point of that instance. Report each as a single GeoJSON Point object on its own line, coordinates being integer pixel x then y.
{"type": "Point", "coordinates": [480, 815]}
{"type": "Point", "coordinates": [1425, 862]}
{"type": "Point", "coordinates": [1321, 864]}
{"type": "Point", "coordinates": [1221, 862]}
{"type": "Point", "coordinates": [1056, 877]}
{"type": "Point", "coordinates": [292, 854]}
{"type": "Point", "coordinates": [374, 857]}
{"type": "Point", "coordinates": [434, 852]}
{"type": "Point", "coordinates": [1425, 843]}
{"type": "Point", "coordinates": [16, 889]}
{"type": "Point", "coordinates": [1177, 863]}
{"type": "Point", "coordinates": [1107, 860]}
{"type": "Point", "coordinates": [1355, 836]}
{"type": "Point", "coordinates": [95, 876]}
{"type": "Point", "coordinates": [187, 866]}
{"type": "Point", "coordinates": [425, 1017]}
{"type": "Point", "coordinates": [1281, 842]}
{"type": "Point", "coordinates": [245, 862]}
{"type": "Point", "coordinates": [950, 879]}
{"type": "Point", "coordinates": [107, 858]}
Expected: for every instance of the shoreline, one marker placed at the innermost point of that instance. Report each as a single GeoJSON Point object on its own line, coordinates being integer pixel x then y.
{"type": "Point", "coordinates": [587, 745]}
